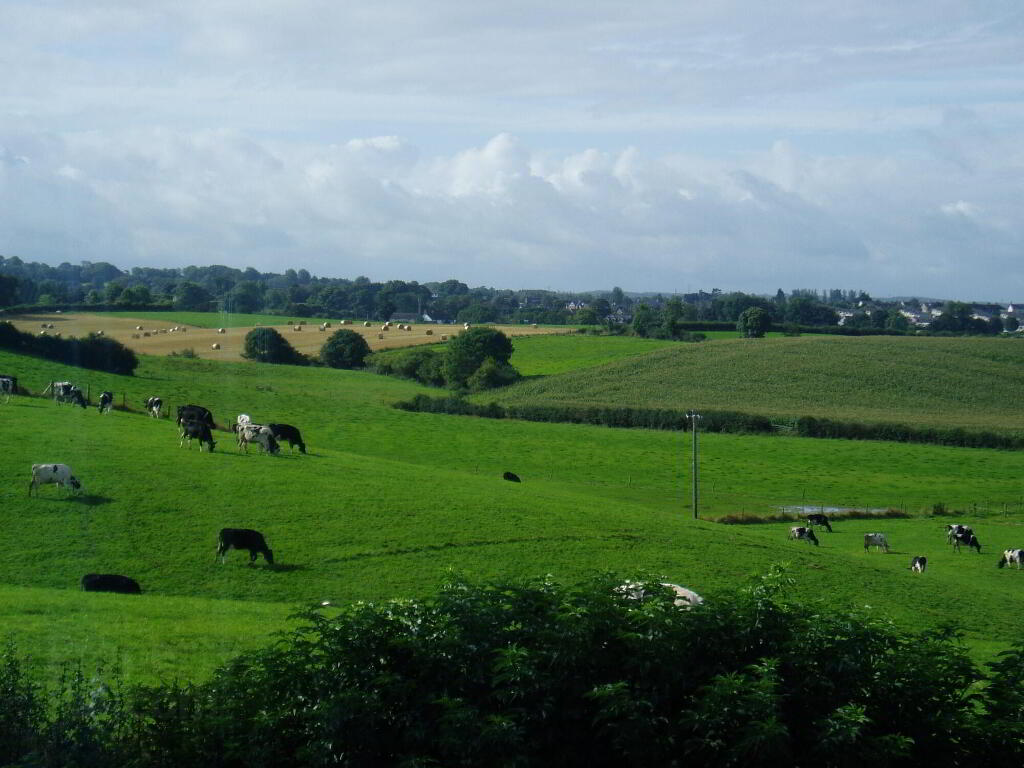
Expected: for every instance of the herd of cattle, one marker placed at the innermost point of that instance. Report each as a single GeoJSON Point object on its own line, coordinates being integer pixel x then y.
{"type": "Point", "coordinates": [196, 423]}
{"type": "Point", "coordinates": [957, 534]}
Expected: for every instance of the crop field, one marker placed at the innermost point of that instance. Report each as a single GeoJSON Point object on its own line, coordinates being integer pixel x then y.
{"type": "Point", "coordinates": [960, 382]}
{"type": "Point", "coordinates": [201, 331]}
{"type": "Point", "coordinates": [386, 502]}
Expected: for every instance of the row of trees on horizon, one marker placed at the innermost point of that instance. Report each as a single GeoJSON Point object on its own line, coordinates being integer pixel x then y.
{"type": "Point", "coordinates": [297, 293]}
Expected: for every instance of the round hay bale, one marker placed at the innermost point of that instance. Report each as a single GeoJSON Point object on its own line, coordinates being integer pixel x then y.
{"type": "Point", "coordinates": [430, 332]}
{"type": "Point", "coordinates": [221, 330]}
{"type": "Point", "coordinates": [366, 324]}
{"type": "Point", "coordinates": [215, 346]}
{"type": "Point", "coordinates": [444, 337]}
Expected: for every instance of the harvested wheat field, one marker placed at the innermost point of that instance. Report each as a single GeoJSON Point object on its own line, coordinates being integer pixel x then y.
{"type": "Point", "coordinates": [150, 337]}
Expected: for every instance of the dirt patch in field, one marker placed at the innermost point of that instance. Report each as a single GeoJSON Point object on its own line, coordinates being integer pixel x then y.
{"type": "Point", "coordinates": [162, 338]}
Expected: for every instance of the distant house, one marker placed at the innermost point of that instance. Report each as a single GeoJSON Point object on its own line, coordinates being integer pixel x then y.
{"type": "Point", "coordinates": [574, 306]}
{"type": "Point", "coordinates": [437, 317]}
{"type": "Point", "coordinates": [404, 317]}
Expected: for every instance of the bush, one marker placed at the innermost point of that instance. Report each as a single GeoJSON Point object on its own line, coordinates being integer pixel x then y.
{"type": "Point", "coordinates": [345, 349]}
{"type": "Point", "coordinates": [266, 345]}
{"type": "Point", "coordinates": [492, 374]}
{"type": "Point", "coordinates": [468, 351]}
{"type": "Point", "coordinates": [99, 353]}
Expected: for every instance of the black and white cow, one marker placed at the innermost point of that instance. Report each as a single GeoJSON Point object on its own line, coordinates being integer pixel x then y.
{"type": "Point", "coordinates": [819, 520]}
{"type": "Point", "coordinates": [243, 538]}
{"type": "Point", "coordinates": [802, 533]}
{"type": "Point", "coordinates": [154, 405]}
{"type": "Point", "coordinates": [288, 433]}
{"type": "Point", "coordinates": [197, 430]}
{"type": "Point", "coordinates": [106, 402]}
{"type": "Point", "coordinates": [954, 529]}
{"type": "Point", "coordinates": [875, 540]}
{"type": "Point", "coordinates": [66, 392]}
{"type": "Point", "coordinates": [60, 474]}
{"type": "Point", "coordinates": [968, 540]}
{"type": "Point", "coordinates": [918, 564]}
{"type": "Point", "coordinates": [195, 413]}
{"type": "Point", "coordinates": [256, 433]}
{"type": "Point", "coordinates": [8, 386]}
{"type": "Point", "coordinates": [512, 477]}
{"type": "Point", "coordinates": [1012, 557]}
{"type": "Point", "coordinates": [110, 582]}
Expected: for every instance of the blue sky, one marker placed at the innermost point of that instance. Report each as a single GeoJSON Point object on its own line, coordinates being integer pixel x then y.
{"type": "Point", "coordinates": [651, 145]}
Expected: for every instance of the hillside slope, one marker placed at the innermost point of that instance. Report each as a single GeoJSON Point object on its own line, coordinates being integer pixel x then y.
{"type": "Point", "coordinates": [967, 382]}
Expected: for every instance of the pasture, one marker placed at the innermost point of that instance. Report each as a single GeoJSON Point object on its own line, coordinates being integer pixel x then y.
{"type": "Point", "coordinates": [387, 502]}
{"type": "Point", "coordinates": [202, 331]}
{"type": "Point", "coordinates": [960, 382]}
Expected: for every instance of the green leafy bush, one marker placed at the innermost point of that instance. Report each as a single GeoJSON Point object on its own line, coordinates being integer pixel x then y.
{"type": "Point", "coordinates": [344, 349]}
{"type": "Point", "coordinates": [99, 353]}
{"type": "Point", "coordinates": [267, 345]}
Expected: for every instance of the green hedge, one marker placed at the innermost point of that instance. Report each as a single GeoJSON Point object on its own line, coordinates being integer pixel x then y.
{"type": "Point", "coordinates": [715, 421]}
{"type": "Point", "coordinates": [99, 353]}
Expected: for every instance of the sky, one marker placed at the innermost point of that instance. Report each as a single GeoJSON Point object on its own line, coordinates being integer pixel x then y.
{"type": "Point", "coordinates": [656, 146]}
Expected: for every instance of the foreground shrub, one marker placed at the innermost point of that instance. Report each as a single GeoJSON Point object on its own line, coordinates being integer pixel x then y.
{"type": "Point", "coordinates": [99, 353]}
{"type": "Point", "coordinates": [537, 673]}
{"type": "Point", "coordinates": [344, 349]}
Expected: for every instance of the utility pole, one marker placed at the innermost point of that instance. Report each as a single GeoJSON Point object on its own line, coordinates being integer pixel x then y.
{"type": "Point", "coordinates": [694, 418]}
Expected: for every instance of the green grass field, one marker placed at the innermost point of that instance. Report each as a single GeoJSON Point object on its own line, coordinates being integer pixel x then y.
{"type": "Point", "coordinates": [387, 501]}
{"type": "Point", "coordinates": [966, 382]}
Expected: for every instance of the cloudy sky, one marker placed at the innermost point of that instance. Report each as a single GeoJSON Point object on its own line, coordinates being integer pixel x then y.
{"type": "Point", "coordinates": [657, 146]}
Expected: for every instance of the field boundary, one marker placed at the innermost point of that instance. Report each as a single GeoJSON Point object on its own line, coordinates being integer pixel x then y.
{"type": "Point", "coordinates": [717, 421]}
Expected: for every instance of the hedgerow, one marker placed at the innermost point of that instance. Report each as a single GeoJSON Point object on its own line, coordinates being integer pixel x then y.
{"type": "Point", "coordinates": [99, 353]}
{"type": "Point", "coordinates": [537, 673]}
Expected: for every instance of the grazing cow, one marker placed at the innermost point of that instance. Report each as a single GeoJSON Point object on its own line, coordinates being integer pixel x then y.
{"type": "Point", "coordinates": [197, 430]}
{"type": "Point", "coordinates": [8, 386]}
{"type": "Point", "coordinates": [511, 476]}
{"type": "Point", "coordinates": [684, 598]}
{"type": "Point", "coordinates": [875, 540]}
{"type": "Point", "coordinates": [243, 538]}
{"type": "Point", "coordinates": [106, 402]}
{"type": "Point", "coordinates": [42, 474]}
{"type": "Point", "coordinates": [66, 392]}
{"type": "Point", "coordinates": [110, 582]}
{"type": "Point", "coordinates": [256, 433]}
{"type": "Point", "coordinates": [918, 564]}
{"type": "Point", "coordinates": [195, 413]}
{"type": "Point", "coordinates": [967, 539]}
{"type": "Point", "coordinates": [954, 529]}
{"type": "Point", "coordinates": [1012, 557]}
{"type": "Point", "coordinates": [243, 418]}
{"type": "Point", "coordinates": [286, 432]}
{"type": "Point", "coordinates": [154, 405]}
{"type": "Point", "coordinates": [803, 533]}
{"type": "Point", "coordinates": [819, 520]}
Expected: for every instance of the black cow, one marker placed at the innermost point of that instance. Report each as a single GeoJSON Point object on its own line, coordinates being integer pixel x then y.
{"type": "Point", "coordinates": [66, 392]}
{"type": "Point", "coordinates": [110, 582]}
{"type": "Point", "coordinates": [918, 564]}
{"type": "Point", "coordinates": [511, 476]}
{"type": "Point", "coordinates": [286, 432]}
{"type": "Point", "coordinates": [196, 430]}
{"type": "Point", "coordinates": [154, 405]}
{"type": "Point", "coordinates": [243, 538]}
{"type": "Point", "coordinates": [195, 413]}
{"type": "Point", "coordinates": [819, 520]}
{"type": "Point", "coordinates": [106, 402]}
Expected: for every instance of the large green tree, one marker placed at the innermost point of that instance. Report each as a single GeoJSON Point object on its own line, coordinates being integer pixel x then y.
{"type": "Point", "coordinates": [266, 345]}
{"type": "Point", "coordinates": [468, 351]}
{"type": "Point", "coordinates": [753, 323]}
{"type": "Point", "coordinates": [344, 349]}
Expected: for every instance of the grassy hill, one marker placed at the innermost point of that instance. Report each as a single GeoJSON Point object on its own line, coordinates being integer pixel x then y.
{"type": "Point", "coordinates": [387, 501]}
{"type": "Point", "coordinates": [966, 382]}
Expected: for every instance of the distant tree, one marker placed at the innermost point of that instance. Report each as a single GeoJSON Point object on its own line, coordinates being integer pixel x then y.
{"type": "Point", "coordinates": [112, 291]}
{"type": "Point", "coordinates": [344, 349]}
{"type": "Point", "coordinates": [586, 316]}
{"type": "Point", "coordinates": [1011, 324]}
{"type": "Point", "coordinates": [135, 295]}
{"type": "Point", "coordinates": [894, 321]}
{"type": "Point", "coordinates": [753, 323]}
{"type": "Point", "coordinates": [93, 297]}
{"type": "Point", "coordinates": [191, 296]}
{"type": "Point", "coordinates": [995, 325]}
{"type": "Point", "coordinates": [618, 297]}
{"type": "Point", "coordinates": [804, 310]}
{"type": "Point", "coordinates": [468, 351]}
{"type": "Point", "coordinates": [245, 297]}
{"type": "Point", "coordinates": [644, 320]}
{"type": "Point", "coordinates": [266, 345]}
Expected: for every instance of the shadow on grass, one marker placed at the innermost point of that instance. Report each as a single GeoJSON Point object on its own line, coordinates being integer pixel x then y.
{"type": "Point", "coordinates": [90, 499]}
{"type": "Point", "coordinates": [289, 568]}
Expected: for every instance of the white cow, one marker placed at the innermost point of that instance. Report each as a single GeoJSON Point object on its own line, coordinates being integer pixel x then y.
{"type": "Point", "coordinates": [875, 540]}
{"type": "Point", "coordinates": [1012, 557]}
{"type": "Point", "coordinates": [955, 529]}
{"type": "Point", "coordinates": [685, 598]}
{"type": "Point", "coordinates": [256, 433]}
{"type": "Point", "coordinates": [42, 474]}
